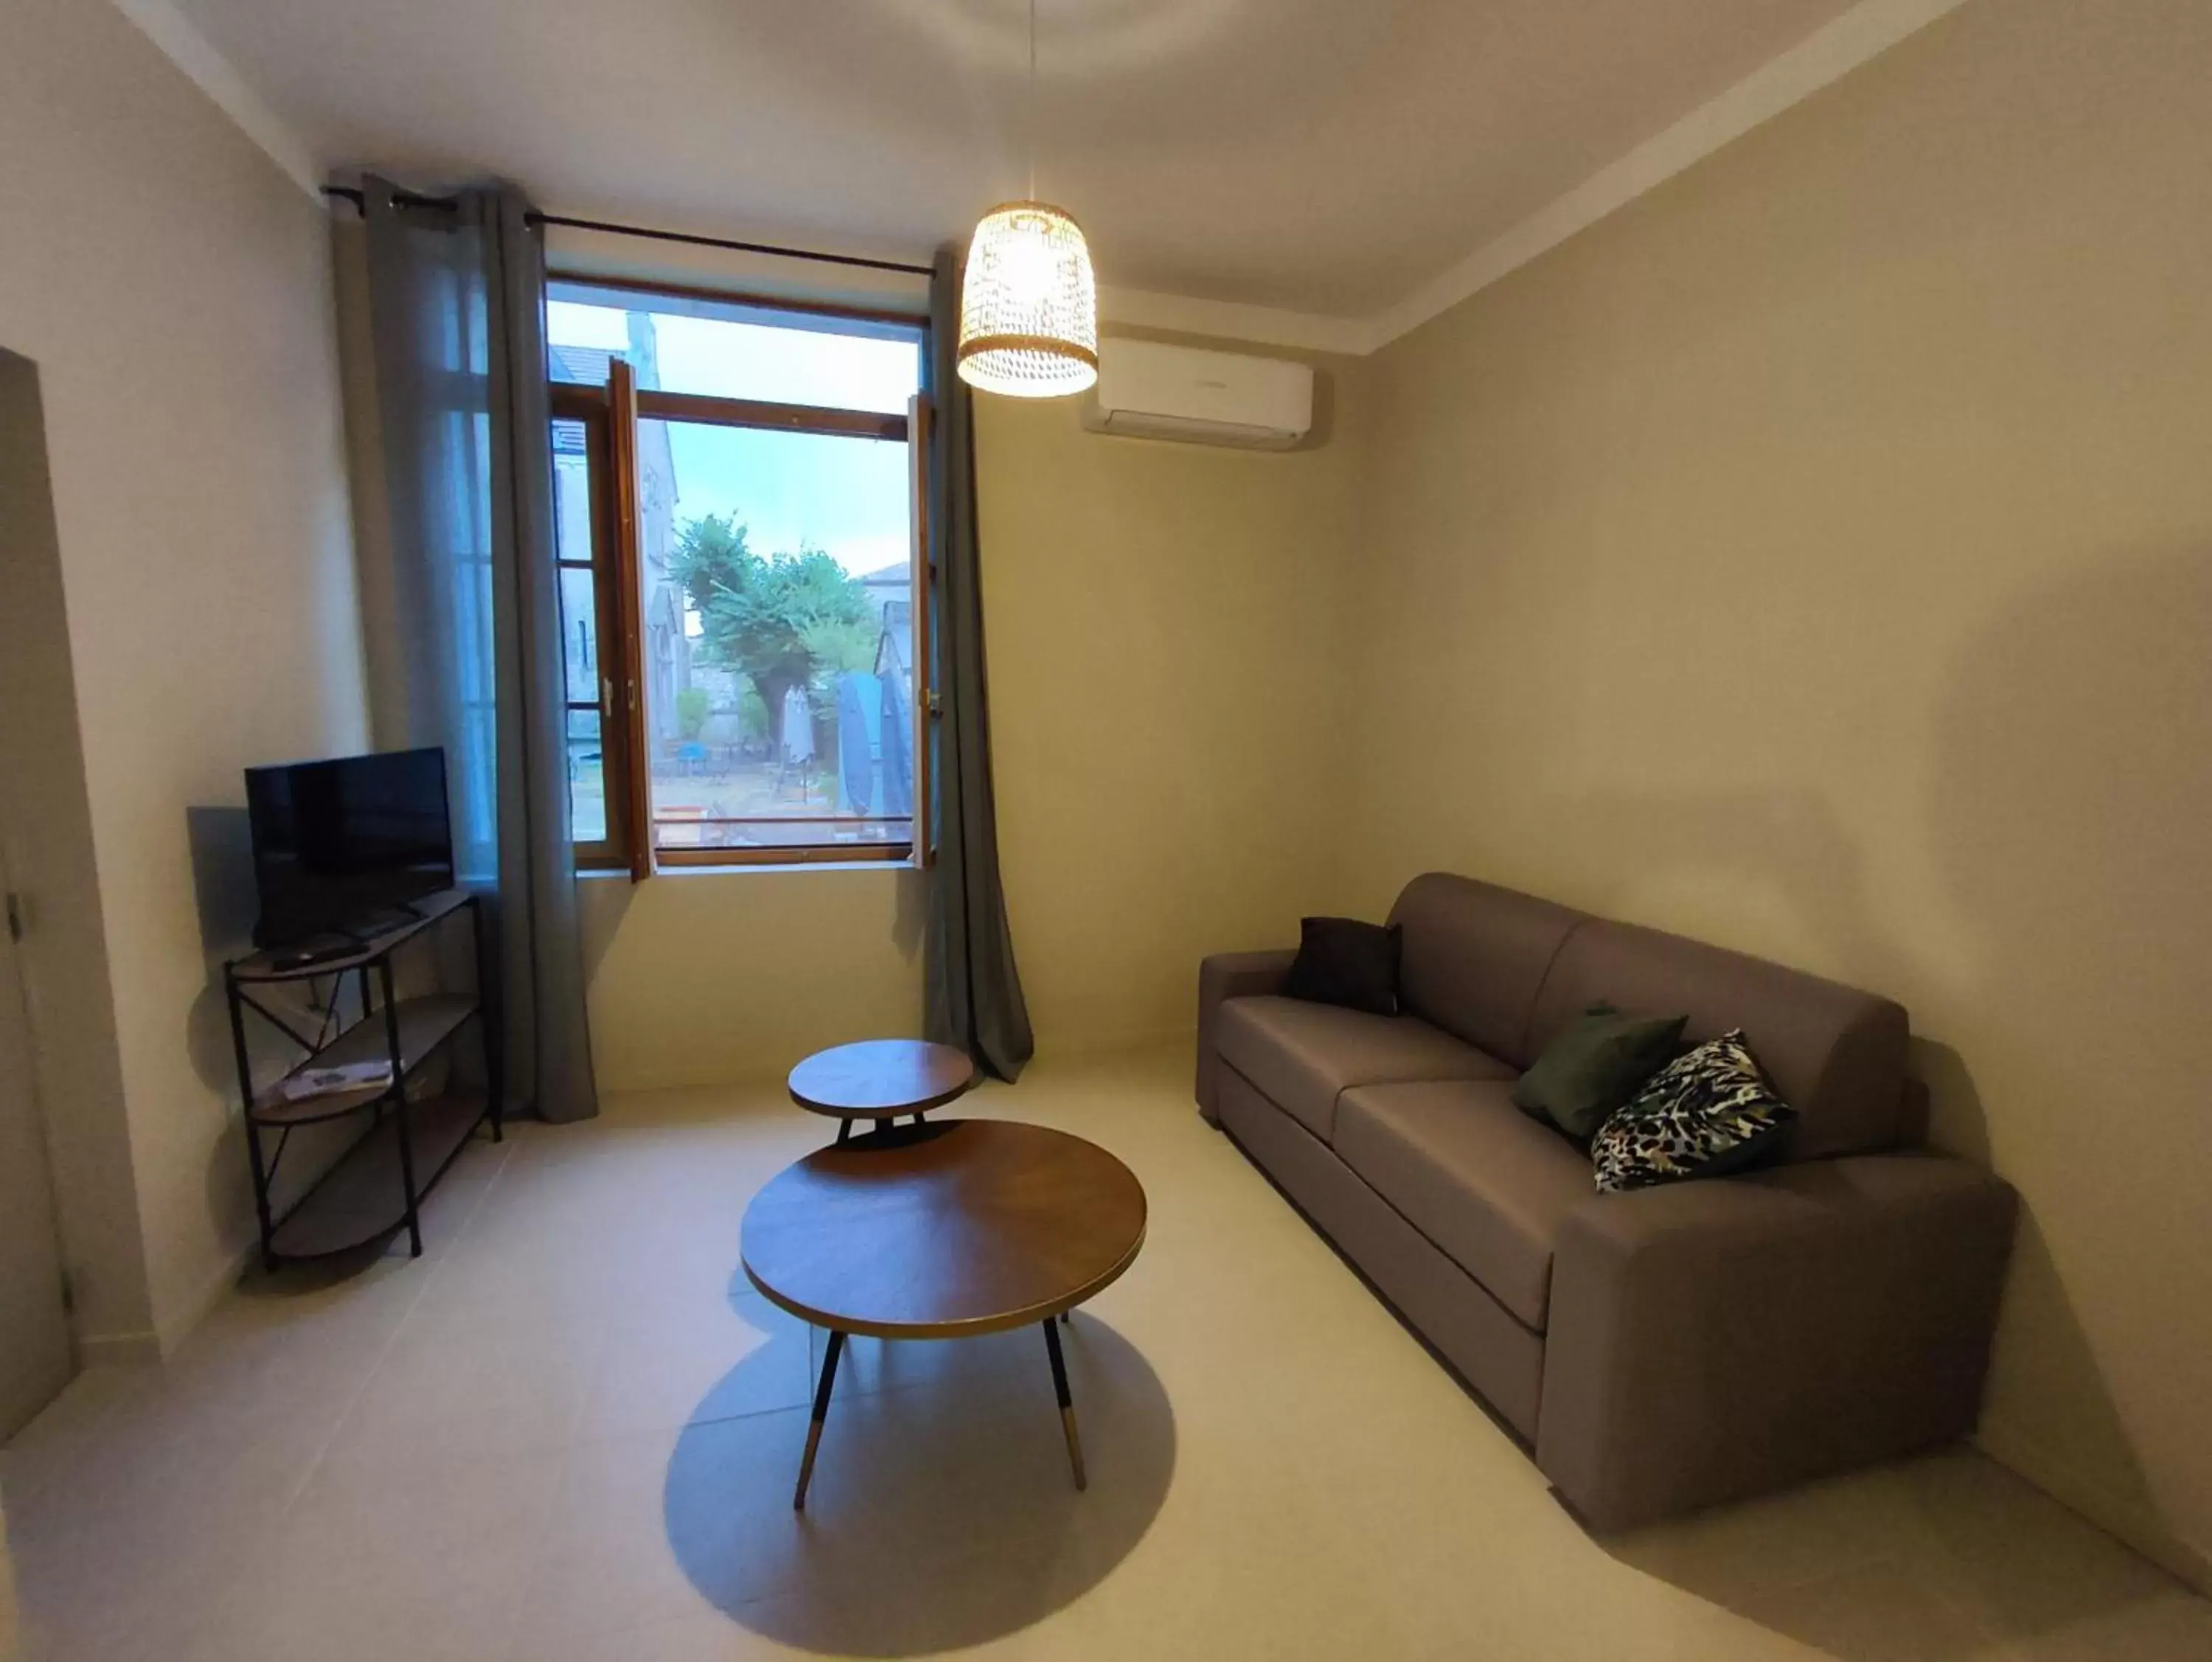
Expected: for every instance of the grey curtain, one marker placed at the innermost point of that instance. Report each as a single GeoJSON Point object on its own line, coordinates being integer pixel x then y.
{"type": "Point", "coordinates": [972, 993]}
{"type": "Point", "coordinates": [469, 629]}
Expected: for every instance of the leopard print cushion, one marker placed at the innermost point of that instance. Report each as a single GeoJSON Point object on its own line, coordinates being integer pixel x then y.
{"type": "Point", "coordinates": [1704, 1113]}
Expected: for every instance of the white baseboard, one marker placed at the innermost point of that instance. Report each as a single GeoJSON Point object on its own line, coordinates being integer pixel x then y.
{"type": "Point", "coordinates": [2130, 1521]}
{"type": "Point", "coordinates": [135, 1350]}
{"type": "Point", "coordinates": [141, 1346]}
{"type": "Point", "coordinates": [1079, 1047]}
{"type": "Point", "coordinates": [173, 1329]}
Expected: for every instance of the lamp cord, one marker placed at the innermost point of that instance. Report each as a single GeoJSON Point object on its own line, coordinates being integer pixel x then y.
{"type": "Point", "coordinates": [1031, 122]}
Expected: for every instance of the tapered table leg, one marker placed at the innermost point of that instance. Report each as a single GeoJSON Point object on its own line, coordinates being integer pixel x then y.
{"type": "Point", "coordinates": [1067, 1403]}
{"type": "Point", "coordinates": [822, 1411]}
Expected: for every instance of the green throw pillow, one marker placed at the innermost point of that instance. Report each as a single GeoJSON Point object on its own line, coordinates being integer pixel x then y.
{"type": "Point", "coordinates": [1598, 1063]}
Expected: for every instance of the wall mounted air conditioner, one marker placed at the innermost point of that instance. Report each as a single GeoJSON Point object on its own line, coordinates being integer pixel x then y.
{"type": "Point", "coordinates": [1149, 390]}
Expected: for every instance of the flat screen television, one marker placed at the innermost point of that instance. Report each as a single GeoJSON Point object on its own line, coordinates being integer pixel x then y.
{"type": "Point", "coordinates": [341, 848]}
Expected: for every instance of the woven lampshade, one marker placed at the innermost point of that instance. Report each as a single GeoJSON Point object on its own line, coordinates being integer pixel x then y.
{"type": "Point", "coordinates": [1029, 307]}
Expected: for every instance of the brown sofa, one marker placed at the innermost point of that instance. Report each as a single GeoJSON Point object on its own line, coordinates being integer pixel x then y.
{"type": "Point", "coordinates": [1663, 1349]}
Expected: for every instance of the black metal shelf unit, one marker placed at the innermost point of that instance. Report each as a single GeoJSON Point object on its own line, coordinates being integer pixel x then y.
{"type": "Point", "coordinates": [377, 1185]}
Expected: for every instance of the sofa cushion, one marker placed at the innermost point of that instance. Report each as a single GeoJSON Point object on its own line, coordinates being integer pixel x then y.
{"type": "Point", "coordinates": [1704, 1115]}
{"type": "Point", "coordinates": [1596, 1063]}
{"type": "Point", "coordinates": [1342, 960]}
{"type": "Point", "coordinates": [1474, 956]}
{"type": "Point", "coordinates": [1487, 1184]}
{"type": "Point", "coordinates": [1303, 1056]}
{"type": "Point", "coordinates": [1835, 1054]}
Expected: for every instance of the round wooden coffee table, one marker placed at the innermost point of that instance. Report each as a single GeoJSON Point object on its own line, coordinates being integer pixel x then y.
{"type": "Point", "coordinates": [943, 1231]}
{"type": "Point", "coordinates": [880, 1080]}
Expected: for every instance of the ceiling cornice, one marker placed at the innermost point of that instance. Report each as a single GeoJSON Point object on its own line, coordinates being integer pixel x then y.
{"type": "Point", "coordinates": [1263, 326]}
{"type": "Point", "coordinates": [1824, 57]}
{"type": "Point", "coordinates": [213, 74]}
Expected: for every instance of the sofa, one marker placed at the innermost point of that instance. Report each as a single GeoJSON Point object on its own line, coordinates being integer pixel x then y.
{"type": "Point", "coordinates": [1657, 1349]}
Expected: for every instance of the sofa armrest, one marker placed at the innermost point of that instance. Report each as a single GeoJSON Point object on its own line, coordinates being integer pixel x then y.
{"type": "Point", "coordinates": [1713, 1339]}
{"type": "Point", "coordinates": [1226, 976]}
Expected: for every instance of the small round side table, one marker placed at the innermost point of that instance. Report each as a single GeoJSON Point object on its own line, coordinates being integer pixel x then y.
{"type": "Point", "coordinates": [880, 1079]}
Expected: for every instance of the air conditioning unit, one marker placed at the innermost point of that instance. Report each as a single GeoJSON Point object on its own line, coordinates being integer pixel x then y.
{"type": "Point", "coordinates": [1149, 390]}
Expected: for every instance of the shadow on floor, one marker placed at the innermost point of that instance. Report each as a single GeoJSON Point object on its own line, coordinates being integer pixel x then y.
{"type": "Point", "coordinates": [1948, 1558]}
{"type": "Point", "coordinates": [942, 1511]}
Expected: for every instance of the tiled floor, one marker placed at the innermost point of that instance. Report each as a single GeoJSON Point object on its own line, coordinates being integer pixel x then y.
{"type": "Point", "coordinates": [569, 1433]}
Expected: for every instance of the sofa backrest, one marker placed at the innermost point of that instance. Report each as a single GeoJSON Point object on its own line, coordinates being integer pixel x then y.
{"type": "Point", "coordinates": [1473, 956]}
{"type": "Point", "coordinates": [1836, 1054]}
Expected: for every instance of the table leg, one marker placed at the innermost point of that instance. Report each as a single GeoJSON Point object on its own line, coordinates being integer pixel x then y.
{"type": "Point", "coordinates": [821, 1412]}
{"type": "Point", "coordinates": [844, 1131]}
{"type": "Point", "coordinates": [1067, 1403]}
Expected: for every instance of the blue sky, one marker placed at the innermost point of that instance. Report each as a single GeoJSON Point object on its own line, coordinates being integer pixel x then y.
{"type": "Point", "coordinates": [847, 496]}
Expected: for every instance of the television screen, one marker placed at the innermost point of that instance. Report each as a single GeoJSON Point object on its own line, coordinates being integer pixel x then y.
{"type": "Point", "coordinates": [342, 846]}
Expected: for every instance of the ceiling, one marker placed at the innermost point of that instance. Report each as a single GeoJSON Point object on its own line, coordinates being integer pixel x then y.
{"type": "Point", "coordinates": [1325, 156]}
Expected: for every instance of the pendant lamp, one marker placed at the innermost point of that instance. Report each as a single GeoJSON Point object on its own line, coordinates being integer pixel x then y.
{"type": "Point", "coordinates": [1029, 305]}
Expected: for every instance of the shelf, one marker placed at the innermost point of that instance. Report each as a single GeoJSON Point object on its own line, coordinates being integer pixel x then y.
{"type": "Point", "coordinates": [425, 1023]}
{"type": "Point", "coordinates": [362, 1198]}
{"type": "Point", "coordinates": [364, 1194]}
{"type": "Point", "coordinates": [263, 966]}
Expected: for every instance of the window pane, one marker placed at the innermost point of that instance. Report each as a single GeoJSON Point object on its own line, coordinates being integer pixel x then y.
{"type": "Point", "coordinates": [718, 349]}
{"type": "Point", "coordinates": [588, 790]}
{"type": "Point", "coordinates": [778, 677]}
{"type": "Point", "coordinates": [572, 530]}
{"type": "Point", "coordinates": [572, 491]}
{"type": "Point", "coordinates": [580, 633]}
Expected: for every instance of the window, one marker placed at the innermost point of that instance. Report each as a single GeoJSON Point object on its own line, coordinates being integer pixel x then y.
{"type": "Point", "coordinates": [738, 511]}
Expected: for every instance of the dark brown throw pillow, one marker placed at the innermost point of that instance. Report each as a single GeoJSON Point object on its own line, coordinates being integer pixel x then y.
{"type": "Point", "coordinates": [1343, 961]}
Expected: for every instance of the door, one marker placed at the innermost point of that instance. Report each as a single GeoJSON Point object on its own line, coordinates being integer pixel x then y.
{"type": "Point", "coordinates": [35, 1328]}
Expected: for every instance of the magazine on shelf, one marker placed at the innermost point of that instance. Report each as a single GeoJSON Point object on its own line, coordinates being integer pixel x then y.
{"type": "Point", "coordinates": [313, 1082]}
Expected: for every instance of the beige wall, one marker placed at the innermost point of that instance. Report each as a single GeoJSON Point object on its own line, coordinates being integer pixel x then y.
{"type": "Point", "coordinates": [174, 288]}
{"type": "Point", "coordinates": [1165, 629]}
{"type": "Point", "coordinates": [697, 977]}
{"type": "Point", "coordinates": [1817, 556]}
{"type": "Point", "coordinates": [1163, 626]}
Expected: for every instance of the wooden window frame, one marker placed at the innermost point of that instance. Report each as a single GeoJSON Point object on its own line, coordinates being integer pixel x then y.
{"type": "Point", "coordinates": [588, 405]}
{"type": "Point", "coordinates": [610, 414]}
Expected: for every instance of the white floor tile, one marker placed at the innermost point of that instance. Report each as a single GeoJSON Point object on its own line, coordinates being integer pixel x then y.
{"type": "Point", "coordinates": [569, 1433]}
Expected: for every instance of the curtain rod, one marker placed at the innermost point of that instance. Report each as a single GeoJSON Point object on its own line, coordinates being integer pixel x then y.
{"type": "Point", "coordinates": [408, 199]}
